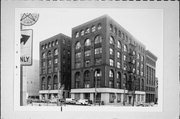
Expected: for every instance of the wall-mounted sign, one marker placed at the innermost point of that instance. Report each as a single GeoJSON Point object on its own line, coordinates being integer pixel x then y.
{"type": "Point", "coordinates": [26, 47]}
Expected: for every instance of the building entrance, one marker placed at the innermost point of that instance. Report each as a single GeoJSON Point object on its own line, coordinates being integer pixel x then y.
{"type": "Point", "coordinates": [129, 99]}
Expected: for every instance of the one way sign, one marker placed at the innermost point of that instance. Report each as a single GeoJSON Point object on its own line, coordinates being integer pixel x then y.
{"type": "Point", "coordinates": [26, 47]}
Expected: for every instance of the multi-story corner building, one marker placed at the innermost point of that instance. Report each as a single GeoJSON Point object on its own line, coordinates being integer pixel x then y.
{"type": "Point", "coordinates": [150, 76]}
{"type": "Point", "coordinates": [55, 66]}
{"type": "Point", "coordinates": [108, 63]}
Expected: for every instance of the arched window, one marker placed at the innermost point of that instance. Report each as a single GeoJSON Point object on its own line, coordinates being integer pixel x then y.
{"type": "Point", "coordinates": [98, 73]}
{"type": "Point", "coordinates": [56, 51]}
{"type": "Point", "coordinates": [99, 26]}
{"type": "Point", "coordinates": [98, 39]}
{"type": "Point", "coordinates": [87, 79]}
{"type": "Point", "coordinates": [111, 79]}
{"type": "Point", "coordinates": [111, 27]}
{"type": "Point", "coordinates": [43, 83]}
{"type": "Point", "coordinates": [76, 34]}
{"type": "Point", "coordinates": [93, 28]}
{"type": "Point", "coordinates": [87, 30]}
{"type": "Point", "coordinates": [87, 42]}
{"type": "Point", "coordinates": [111, 40]}
{"type": "Point", "coordinates": [82, 32]}
{"type": "Point", "coordinates": [77, 80]}
{"type": "Point", "coordinates": [52, 43]}
{"type": "Point", "coordinates": [118, 80]}
{"type": "Point", "coordinates": [43, 55]}
{"type": "Point", "coordinates": [46, 46]}
{"type": "Point", "coordinates": [55, 83]}
{"type": "Point", "coordinates": [49, 53]}
{"type": "Point", "coordinates": [78, 45]}
{"type": "Point", "coordinates": [119, 44]}
{"type": "Point", "coordinates": [49, 45]}
{"type": "Point", "coordinates": [97, 78]}
{"type": "Point", "coordinates": [42, 47]}
{"type": "Point", "coordinates": [56, 42]}
{"type": "Point", "coordinates": [49, 83]}
{"type": "Point", "coordinates": [125, 48]}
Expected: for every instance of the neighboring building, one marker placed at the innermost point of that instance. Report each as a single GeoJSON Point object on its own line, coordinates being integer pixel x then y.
{"type": "Point", "coordinates": [156, 90]}
{"type": "Point", "coordinates": [150, 76]}
{"type": "Point", "coordinates": [31, 76]}
{"type": "Point", "coordinates": [55, 66]}
{"type": "Point", "coordinates": [107, 61]}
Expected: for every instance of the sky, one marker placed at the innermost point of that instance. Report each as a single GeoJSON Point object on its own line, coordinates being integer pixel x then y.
{"type": "Point", "coordinates": [146, 25]}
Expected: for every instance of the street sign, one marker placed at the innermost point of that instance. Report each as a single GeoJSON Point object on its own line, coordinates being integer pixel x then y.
{"type": "Point", "coordinates": [26, 47]}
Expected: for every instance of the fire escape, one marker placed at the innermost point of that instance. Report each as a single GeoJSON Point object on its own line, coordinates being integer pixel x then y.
{"type": "Point", "coordinates": [131, 71]}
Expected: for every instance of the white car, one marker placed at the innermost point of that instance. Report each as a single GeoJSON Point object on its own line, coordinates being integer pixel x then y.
{"type": "Point", "coordinates": [70, 101]}
{"type": "Point", "coordinates": [82, 102]}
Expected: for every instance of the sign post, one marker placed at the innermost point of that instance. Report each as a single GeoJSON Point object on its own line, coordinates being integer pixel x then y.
{"type": "Point", "coordinates": [27, 19]}
{"type": "Point", "coordinates": [25, 60]}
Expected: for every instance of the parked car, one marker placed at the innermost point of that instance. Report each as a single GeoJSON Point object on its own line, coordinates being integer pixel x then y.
{"type": "Point", "coordinates": [53, 100]}
{"type": "Point", "coordinates": [70, 101]}
{"type": "Point", "coordinates": [82, 102]}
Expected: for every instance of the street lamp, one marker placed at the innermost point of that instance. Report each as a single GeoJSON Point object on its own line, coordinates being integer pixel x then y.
{"type": "Point", "coordinates": [49, 87]}
{"type": "Point", "coordinates": [124, 94]}
{"type": "Point", "coordinates": [95, 86]}
{"type": "Point", "coordinates": [124, 85]}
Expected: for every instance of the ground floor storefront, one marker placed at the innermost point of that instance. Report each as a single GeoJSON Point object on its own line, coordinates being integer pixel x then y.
{"type": "Point", "coordinates": [109, 95]}
{"type": "Point", "coordinates": [53, 94]}
{"type": "Point", "coordinates": [150, 97]}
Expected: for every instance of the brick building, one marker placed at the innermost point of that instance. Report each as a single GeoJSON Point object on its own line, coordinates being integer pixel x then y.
{"type": "Point", "coordinates": [55, 66]}
{"type": "Point", "coordinates": [150, 76]}
{"type": "Point", "coordinates": [108, 63]}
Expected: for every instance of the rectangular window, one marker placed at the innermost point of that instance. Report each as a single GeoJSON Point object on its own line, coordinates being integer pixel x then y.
{"type": "Point", "coordinates": [49, 70]}
{"type": "Point", "coordinates": [55, 61]}
{"type": "Point", "coordinates": [98, 50]}
{"type": "Point", "coordinates": [111, 62]}
{"type": "Point", "coordinates": [98, 61]}
{"type": "Point", "coordinates": [142, 98]}
{"type": "Point", "coordinates": [111, 84]}
{"type": "Point", "coordinates": [118, 55]}
{"type": "Point", "coordinates": [111, 97]}
{"type": "Point", "coordinates": [87, 53]}
{"type": "Point", "coordinates": [124, 57]}
{"type": "Point", "coordinates": [118, 97]}
{"type": "Point", "coordinates": [111, 51]}
{"type": "Point", "coordinates": [78, 55]}
{"type": "Point", "coordinates": [43, 71]}
{"type": "Point", "coordinates": [49, 62]}
{"type": "Point", "coordinates": [77, 96]}
{"type": "Point", "coordinates": [118, 65]}
{"type": "Point", "coordinates": [43, 64]}
{"type": "Point", "coordinates": [78, 65]}
{"type": "Point", "coordinates": [87, 63]}
{"type": "Point", "coordinates": [55, 69]}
